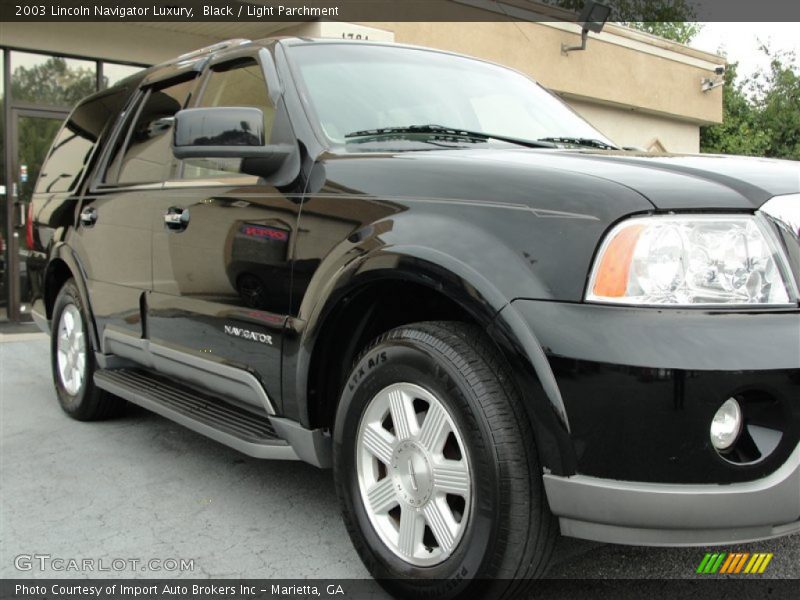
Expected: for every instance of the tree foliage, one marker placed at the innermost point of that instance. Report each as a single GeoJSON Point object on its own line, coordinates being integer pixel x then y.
{"type": "Point", "coordinates": [52, 82]}
{"type": "Point", "coordinates": [761, 114]}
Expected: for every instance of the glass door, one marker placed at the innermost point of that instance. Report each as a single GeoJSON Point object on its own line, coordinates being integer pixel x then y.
{"type": "Point", "coordinates": [32, 132]}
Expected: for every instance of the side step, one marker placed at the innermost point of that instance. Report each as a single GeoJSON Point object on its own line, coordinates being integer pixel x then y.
{"type": "Point", "coordinates": [209, 415]}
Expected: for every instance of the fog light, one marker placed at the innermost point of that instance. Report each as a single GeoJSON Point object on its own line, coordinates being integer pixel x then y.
{"type": "Point", "coordinates": [726, 425]}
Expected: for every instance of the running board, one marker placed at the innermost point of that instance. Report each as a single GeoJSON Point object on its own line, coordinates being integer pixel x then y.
{"type": "Point", "coordinates": [208, 415]}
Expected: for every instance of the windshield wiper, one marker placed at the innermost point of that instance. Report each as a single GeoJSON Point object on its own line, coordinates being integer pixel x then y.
{"type": "Point", "coordinates": [579, 141]}
{"type": "Point", "coordinates": [448, 132]}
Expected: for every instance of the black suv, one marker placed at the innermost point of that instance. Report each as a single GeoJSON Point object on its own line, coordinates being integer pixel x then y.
{"type": "Point", "coordinates": [427, 272]}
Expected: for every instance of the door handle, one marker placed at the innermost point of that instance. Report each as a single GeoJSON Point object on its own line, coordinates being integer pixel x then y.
{"type": "Point", "coordinates": [89, 216]}
{"type": "Point", "coordinates": [176, 219]}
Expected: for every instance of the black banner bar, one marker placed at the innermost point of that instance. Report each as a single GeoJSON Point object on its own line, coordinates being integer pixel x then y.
{"type": "Point", "coordinates": [705, 587]}
{"type": "Point", "coordinates": [391, 10]}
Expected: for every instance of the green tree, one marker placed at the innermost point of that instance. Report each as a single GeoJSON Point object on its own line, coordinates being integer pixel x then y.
{"type": "Point", "coordinates": [776, 98]}
{"type": "Point", "coordinates": [670, 19]}
{"type": "Point", "coordinates": [761, 114]}
{"type": "Point", "coordinates": [739, 132]}
{"type": "Point", "coordinates": [52, 82]}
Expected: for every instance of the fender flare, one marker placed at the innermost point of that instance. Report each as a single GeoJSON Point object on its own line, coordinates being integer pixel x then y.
{"type": "Point", "coordinates": [61, 251]}
{"type": "Point", "coordinates": [479, 298]}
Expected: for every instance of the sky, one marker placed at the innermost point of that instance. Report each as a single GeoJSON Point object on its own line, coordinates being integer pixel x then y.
{"type": "Point", "coordinates": [740, 42]}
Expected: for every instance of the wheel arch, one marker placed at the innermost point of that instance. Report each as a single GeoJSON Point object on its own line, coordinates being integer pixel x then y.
{"type": "Point", "coordinates": [358, 305]}
{"type": "Point", "coordinates": [61, 267]}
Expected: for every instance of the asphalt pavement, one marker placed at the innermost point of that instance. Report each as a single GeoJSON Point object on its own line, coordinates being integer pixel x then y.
{"type": "Point", "coordinates": [141, 488]}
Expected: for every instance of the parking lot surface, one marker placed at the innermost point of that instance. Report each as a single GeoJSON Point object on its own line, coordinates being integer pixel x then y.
{"type": "Point", "coordinates": [141, 487]}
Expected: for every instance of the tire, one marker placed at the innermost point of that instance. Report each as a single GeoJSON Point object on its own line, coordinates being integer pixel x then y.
{"type": "Point", "coordinates": [505, 535]}
{"type": "Point", "coordinates": [73, 363]}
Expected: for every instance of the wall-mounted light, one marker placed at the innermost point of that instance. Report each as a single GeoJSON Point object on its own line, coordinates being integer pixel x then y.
{"type": "Point", "coordinates": [707, 83]}
{"type": "Point", "coordinates": [593, 17]}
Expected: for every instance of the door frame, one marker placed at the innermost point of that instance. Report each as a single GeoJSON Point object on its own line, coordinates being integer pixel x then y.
{"type": "Point", "coordinates": [15, 213]}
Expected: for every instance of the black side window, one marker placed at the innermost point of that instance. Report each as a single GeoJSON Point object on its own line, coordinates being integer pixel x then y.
{"type": "Point", "coordinates": [238, 83]}
{"type": "Point", "coordinates": [75, 143]}
{"type": "Point", "coordinates": [148, 155]}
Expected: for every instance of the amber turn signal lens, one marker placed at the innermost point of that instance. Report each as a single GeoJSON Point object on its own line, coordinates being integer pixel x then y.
{"type": "Point", "coordinates": [614, 268]}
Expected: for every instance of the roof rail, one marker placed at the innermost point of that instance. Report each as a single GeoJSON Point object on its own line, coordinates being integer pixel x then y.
{"type": "Point", "coordinates": [214, 48]}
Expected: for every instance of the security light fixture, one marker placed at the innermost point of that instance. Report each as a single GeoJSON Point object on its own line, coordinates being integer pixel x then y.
{"type": "Point", "coordinates": [707, 83]}
{"type": "Point", "coordinates": [593, 17]}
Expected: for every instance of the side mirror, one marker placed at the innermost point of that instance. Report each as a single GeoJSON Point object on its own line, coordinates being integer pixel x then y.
{"type": "Point", "coordinates": [227, 133]}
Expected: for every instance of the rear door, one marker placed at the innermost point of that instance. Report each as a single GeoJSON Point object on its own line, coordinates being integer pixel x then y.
{"type": "Point", "coordinates": [222, 252]}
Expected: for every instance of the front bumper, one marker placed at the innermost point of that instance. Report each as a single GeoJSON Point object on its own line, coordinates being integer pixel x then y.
{"type": "Point", "coordinates": [652, 514]}
{"type": "Point", "coordinates": [639, 388]}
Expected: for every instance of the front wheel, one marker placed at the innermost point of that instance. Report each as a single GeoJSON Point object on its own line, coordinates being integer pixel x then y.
{"type": "Point", "coordinates": [436, 467]}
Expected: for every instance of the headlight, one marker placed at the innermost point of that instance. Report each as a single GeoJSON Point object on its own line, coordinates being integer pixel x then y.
{"type": "Point", "coordinates": [690, 260]}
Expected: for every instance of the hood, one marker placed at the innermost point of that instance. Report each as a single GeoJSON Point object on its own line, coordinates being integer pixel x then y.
{"type": "Point", "coordinates": [511, 174]}
{"type": "Point", "coordinates": [675, 182]}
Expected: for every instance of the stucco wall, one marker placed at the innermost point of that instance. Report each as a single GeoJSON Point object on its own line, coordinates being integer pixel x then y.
{"type": "Point", "coordinates": [634, 87]}
{"type": "Point", "coordinates": [615, 68]}
{"type": "Point", "coordinates": [641, 130]}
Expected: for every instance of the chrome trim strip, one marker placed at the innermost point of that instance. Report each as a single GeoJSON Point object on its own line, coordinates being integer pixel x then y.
{"type": "Point", "coordinates": [146, 353]}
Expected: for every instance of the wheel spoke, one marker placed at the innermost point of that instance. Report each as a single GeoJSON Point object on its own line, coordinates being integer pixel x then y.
{"type": "Point", "coordinates": [403, 415]}
{"type": "Point", "coordinates": [79, 341]}
{"type": "Point", "coordinates": [382, 496]}
{"type": "Point", "coordinates": [410, 531]}
{"type": "Point", "coordinates": [69, 322]}
{"type": "Point", "coordinates": [434, 430]}
{"type": "Point", "coordinates": [451, 477]}
{"type": "Point", "coordinates": [63, 342]}
{"type": "Point", "coordinates": [440, 520]}
{"type": "Point", "coordinates": [377, 441]}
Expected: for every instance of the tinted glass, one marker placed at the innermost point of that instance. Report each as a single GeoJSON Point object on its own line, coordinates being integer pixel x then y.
{"type": "Point", "coordinates": [354, 88]}
{"type": "Point", "coordinates": [114, 73]}
{"type": "Point", "coordinates": [51, 80]}
{"type": "Point", "coordinates": [74, 144]}
{"type": "Point", "coordinates": [148, 154]}
{"type": "Point", "coordinates": [238, 84]}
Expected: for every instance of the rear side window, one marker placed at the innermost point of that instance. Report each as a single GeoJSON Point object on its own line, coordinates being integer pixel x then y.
{"type": "Point", "coordinates": [147, 157]}
{"type": "Point", "coordinates": [239, 83]}
{"type": "Point", "coordinates": [76, 141]}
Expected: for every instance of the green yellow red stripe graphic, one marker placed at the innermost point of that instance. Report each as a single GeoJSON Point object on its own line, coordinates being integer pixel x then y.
{"type": "Point", "coordinates": [734, 563]}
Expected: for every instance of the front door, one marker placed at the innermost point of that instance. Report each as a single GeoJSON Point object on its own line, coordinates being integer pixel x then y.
{"type": "Point", "coordinates": [222, 251]}
{"type": "Point", "coordinates": [32, 133]}
{"type": "Point", "coordinates": [113, 236]}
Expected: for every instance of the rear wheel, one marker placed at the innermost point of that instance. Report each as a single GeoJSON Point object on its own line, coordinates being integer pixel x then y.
{"type": "Point", "coordinates": [73, 361]}
{"type": "Point", "coordinates": [436, 467]}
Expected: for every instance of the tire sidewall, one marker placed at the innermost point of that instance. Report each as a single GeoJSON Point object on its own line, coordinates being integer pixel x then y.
{"type": "Point", "coordinates": [71, 403]}
{"type": "Point", "coordinates": [395, 361]}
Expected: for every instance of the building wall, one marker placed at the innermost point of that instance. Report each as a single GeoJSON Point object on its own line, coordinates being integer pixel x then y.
{"type": "Point", "coordinates": [635, 88]}
{"type": "Point", "coordinates": [628, 127]}
{"type": "Point", "coordinates": [617, 67]}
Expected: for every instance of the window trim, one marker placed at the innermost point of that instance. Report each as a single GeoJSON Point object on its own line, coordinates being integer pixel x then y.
{"type": "Point", "coordinates": [138, 100]}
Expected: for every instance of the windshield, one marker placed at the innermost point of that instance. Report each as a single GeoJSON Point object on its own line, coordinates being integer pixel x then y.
{"type": "Point", "coordinates": [353, 88]}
